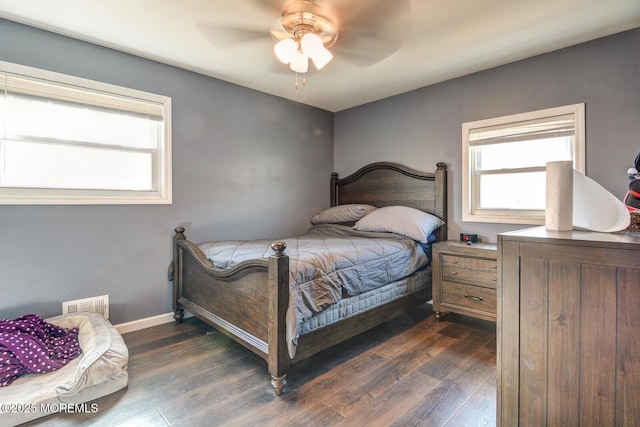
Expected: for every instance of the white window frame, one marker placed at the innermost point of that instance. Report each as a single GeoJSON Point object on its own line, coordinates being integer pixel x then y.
{"type": "Point", "coordinates": [161, 193]}
{"type": "Point", "coordinates": [470, 187]}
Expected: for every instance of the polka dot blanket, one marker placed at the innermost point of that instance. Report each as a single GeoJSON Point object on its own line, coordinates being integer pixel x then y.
{"type": "Point", "coordinates": [29, 344]}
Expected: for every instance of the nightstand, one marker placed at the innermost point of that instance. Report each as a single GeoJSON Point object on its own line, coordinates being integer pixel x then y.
{"type": "Point", "coordinates": [465, 279]}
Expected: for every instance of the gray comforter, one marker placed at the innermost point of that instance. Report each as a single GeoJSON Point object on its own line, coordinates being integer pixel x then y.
{"type": "Point", "coordinates": [327, 263]}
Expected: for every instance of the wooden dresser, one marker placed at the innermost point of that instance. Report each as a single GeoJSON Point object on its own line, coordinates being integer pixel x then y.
{"type": "Point", "coordinates": [465, 279]}
{"type": "Point", "coordinates": [568, 328]}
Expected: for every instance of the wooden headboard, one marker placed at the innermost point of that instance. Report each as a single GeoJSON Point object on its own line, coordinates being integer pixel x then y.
{"type": "Point", "coordinates": [386, 184]}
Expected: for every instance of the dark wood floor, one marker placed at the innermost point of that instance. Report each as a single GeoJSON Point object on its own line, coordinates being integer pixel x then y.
{"type": "Point", "coordinates": [412, 371]}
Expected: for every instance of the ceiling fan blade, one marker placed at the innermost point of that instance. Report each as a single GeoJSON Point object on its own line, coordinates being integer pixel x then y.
{"type": "Point", "coordinates": [370, 31]}
{"type": "Point", "coordinates": [223, 36]}
{"type": "Point", "coordinates": [244, 21]}
{"type": "Point", "coordinates": [363, 50]}
{"type": "Point", "coordinates": [279, 34]}
{"type": "Point", "coordinates": [272, 5]}
{"type": "Point", "coordinates": [370, 13]}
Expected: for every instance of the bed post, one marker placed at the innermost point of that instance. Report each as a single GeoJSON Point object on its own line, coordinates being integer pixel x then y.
{"type": "Point", "coordinates": [441, 198]}
{"type": "Point", "coordinates": [334, 189]}
{"type": "Point", "coordinates": [178, 313]}
{"type": "Point", "coordinates": [278, 356]}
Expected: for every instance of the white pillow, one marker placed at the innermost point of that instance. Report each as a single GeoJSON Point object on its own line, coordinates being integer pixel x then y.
{"type": "Point", "coordinates": [342, 213]}
{"type": "Point", "coordinates": [403, 220]}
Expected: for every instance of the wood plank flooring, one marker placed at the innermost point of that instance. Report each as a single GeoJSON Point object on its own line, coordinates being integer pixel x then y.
{"type": "Point", "coordinates": [412, 371]}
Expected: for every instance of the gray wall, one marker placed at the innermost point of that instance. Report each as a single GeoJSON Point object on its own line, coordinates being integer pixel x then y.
{"type": "Point", "coordinates": [245, 165]}
{"type": "Point", "coordinates": [251, 165]}
{"type": "Point", "coordinates": [424, 126]}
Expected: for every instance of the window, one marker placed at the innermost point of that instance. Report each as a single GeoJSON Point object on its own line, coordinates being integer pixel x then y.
{"type": "Point", "coordinates": [65, 140]}
{"type": "Point", "coordinates": [504, 161]}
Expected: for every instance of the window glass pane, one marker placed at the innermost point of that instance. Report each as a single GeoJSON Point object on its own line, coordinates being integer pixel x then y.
{"type": "Point", "coordinates": [37, 165]}
{"type": "Point", "coordinates": [520, 191]}
{"type": "Point", "coordinates": [523, 154]}
{"type": "Point", "coordinates": [505, 162]}
{"type": "Point", "coordinates": [33, 117]}
{"type": "Point", "coordinates": [69, 140]}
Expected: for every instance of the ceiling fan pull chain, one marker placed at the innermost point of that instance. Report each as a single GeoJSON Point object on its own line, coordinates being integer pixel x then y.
{"type": "Point", "coordinates": [304, 80]}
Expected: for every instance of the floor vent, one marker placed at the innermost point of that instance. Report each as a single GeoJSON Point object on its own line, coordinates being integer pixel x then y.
{"type": "Point", "coordinates": [98, 305]}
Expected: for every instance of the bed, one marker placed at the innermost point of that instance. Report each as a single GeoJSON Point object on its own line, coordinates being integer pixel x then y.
{"type": "Point", "coordinates": [252, 299]}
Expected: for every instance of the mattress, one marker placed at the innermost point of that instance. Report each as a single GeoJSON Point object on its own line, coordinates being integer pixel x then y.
{"type": "Point", "coordinates": [326, 264]}
{"type": "Point", "coordinates": [101, 369]}
{"type": "Point", "coordinates": [349, 307]}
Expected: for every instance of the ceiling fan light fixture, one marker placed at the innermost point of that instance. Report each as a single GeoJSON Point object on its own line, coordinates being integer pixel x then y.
{"type": "Point", "coordinates": [299, 63]}
{"type": "Point", "coordinates": [285, 50]}
{"type": "Point", "coordinates": [312, 46]}
{"type": "Point", "coordinates": [321, 58]}
{"type": "Point", "coordinates": [307, 33]}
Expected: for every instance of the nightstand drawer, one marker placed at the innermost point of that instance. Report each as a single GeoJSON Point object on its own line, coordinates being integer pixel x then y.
{"type": "Point", "coordinates": [481, 272]}
{"type": "Point", "coordinates": [470, 263]}
{"type": "Point", "coordinates": [469, 296]}
{"type": "Point", "coordinates": [465, 279]}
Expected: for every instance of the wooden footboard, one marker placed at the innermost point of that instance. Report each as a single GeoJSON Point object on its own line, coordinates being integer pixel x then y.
{"type": "Point", "coordinates": [248, 302]}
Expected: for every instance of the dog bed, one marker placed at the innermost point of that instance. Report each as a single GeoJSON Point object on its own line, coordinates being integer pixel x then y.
{"type": "Point", "coordinates": [100, 370]}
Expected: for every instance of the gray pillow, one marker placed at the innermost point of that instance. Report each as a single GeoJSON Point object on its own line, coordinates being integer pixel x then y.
{"type": "Point", "coordinates": [402, 220]}
{"type": "Point", "coordinates": [342, 213]}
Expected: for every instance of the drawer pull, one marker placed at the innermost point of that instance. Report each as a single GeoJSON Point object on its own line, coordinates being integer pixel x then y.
{"type": "Point", "coordinates": [473, 297]}
{"type": "Point", "coordinates": [494, 279]}
{"type": "Point", "coordinates": [454, 273]}
{"type": "Point", "coordinates": [494, 267]}
{"type": "Point", "coordinates": [454, 261]}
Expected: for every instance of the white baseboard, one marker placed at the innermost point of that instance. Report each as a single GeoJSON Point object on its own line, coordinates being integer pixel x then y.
{"type": "Point", "coordinates": [136, 325]}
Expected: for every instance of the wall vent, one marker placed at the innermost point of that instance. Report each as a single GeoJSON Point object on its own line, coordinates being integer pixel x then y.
{"type": "Point", "coordinates": [98, 305]}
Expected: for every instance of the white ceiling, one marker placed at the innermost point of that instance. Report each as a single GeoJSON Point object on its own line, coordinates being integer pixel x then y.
{"type": "Point", "coordinates": [434, 40]}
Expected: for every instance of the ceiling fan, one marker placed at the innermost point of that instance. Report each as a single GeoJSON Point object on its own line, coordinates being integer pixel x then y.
{"type": "Point", "coordinates": [358, 33]}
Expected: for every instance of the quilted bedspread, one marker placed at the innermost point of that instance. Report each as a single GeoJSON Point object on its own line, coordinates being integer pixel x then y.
{"type": "Point", "coordinates": [327, 263]}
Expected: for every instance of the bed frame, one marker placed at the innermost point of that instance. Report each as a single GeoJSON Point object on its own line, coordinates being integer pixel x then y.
{"type": "Point", "coordinates": [248, 302]}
